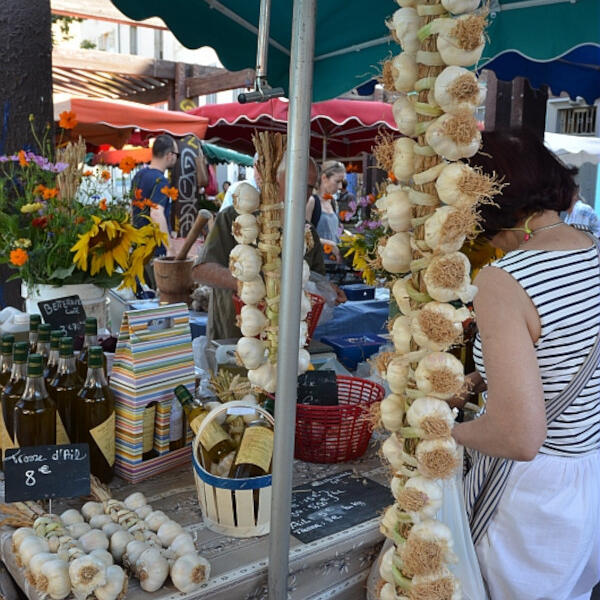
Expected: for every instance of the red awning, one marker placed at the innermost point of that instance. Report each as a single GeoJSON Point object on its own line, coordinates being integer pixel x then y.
{"type": "Point", "coordinates": [339, 128]}
{"type": "Point", "coordinates": [114, 121]}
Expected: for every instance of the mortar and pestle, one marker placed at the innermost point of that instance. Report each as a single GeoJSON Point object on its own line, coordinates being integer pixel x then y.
{"type": "Point", "coordinates": [173, 274]}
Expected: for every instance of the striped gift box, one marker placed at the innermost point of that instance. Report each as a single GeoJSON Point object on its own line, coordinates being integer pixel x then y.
{"type": "Point", "coordinates": [153, 356]}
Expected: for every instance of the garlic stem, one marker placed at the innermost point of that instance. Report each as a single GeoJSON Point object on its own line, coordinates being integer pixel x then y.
{"type": "Point", "coordinates": [415, 295]}
{"type": "Point", "coordinates": [424, 150]}
{"type": "Point", "coordinates": [424, 108]}
{"type": "Point", "coordinates": [411, 432]}
{"type": "Point", "coordinates": [428, 175]}
{"type": "Point", "coordinates": [421, 128]}
{"type": "Point", "coordinates": [430, 59]}
{"type": "Point", "coordinates": [425, 83]}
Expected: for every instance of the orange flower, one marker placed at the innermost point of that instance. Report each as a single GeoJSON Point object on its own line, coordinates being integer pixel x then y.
{"type": "Point", "coordinates": [139, 203]}
{"type": "Point", "coordinates": [79, 220]}
{"type": "Point", "coordinates": [343, 215]}
{"type": "Point", "coordinates": [18, 257]}
{"type": "Point", "coordinates": [103, 204]}
{"type": "Point", "coordinates": [49, 193]}
{"type": "Point", "coordinates": [327, 248]}
{"type": "Point", "coordinates": [327, 197]}
{"type": "Point", "coordinates": [67, 119]}
{"type": "Point", "coordinates": [171, 192]}
{"type": "Point", "coordinates": [138, 194]}
{"type": "Point", "coordinates": [149, 203]}
{"type": "Point", "coordinates": [39, 189]}
{"type": "Point", "coordinates": [371, 198]}
{"type": "Point", "coordinates": [22, 158]}
{"type": "Point", "coordinates": [392, 177]}
{"type": "Point", "coordinates": [88, 173]}
{"type": "Point", "coordinates": [105, 175]}
{"type": "Point", "coordinates": [127, 164]}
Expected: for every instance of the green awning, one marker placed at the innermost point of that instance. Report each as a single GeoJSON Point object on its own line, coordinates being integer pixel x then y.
{"type": "Point", "coordinates": [216, 154]}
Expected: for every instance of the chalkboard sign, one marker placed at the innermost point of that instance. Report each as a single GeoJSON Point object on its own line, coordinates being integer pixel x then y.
{"type": "Point", "coordinates": [64, 313]}
{"type": "Point", "coordinates": [335, 503]}
{"type": "Point", "coordinates": [318, 388]}
{"type": "Point", "coordinates": [36, 472]}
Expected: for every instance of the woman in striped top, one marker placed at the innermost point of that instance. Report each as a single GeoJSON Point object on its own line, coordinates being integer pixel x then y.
{"type": "Point", "coordinates": [535, 507]}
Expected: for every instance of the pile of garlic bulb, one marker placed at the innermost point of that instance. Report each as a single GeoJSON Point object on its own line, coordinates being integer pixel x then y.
{"type": "Point", "coordinates": [430, 209]}
{"type": "Point", "coordinates": [256, 263]}
{"type": "Point", "coordinates": [77, 552]}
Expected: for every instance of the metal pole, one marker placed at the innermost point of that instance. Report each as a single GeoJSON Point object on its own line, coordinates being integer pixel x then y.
{"type": "Point", "coordinates": [301, 74]}
{"type": "Point", "coordinates": [324, 157]}
{"type": "Point", "coordinates": [262, 42]}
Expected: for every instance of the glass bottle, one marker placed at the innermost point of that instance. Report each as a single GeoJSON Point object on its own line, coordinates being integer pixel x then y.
{"type": "Point", "coordinates": [63, 389]}
{"type": "Point", "coordinates": [255, 453]}
{"type": "Point", "coordinates": [54, 355]}
{"type": "Point", "coordinates": [177, 426]}
{"type": "Point", "coordinates": [214, 440]}
{"type": "Point", "coordinates": [43, 344]}
{"type": "Point", "coordinates": [8, 341]}
{"type": "Point", "coordinates": [94, 418]}
{"type": "Point", "coordinates": [34, 416]}
{"type": "Point", "coordinates": [90, 339]}
{"type": "Point", "coordinates": [34, 323]}
{"type": "Point", "coordinates": [148, 421]}
{"type": "Point", "coordinates": [12, 393]}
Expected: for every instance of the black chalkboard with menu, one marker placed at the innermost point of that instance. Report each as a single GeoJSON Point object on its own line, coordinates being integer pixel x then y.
{"type": "Point", "coordinates": [334, 503]}
{"type": "Point", "coordinates": [36, 472]}
{"type": "Point", "coordinates": [318, 388]}
{"type": "Point", "coordinates": [64, 313]}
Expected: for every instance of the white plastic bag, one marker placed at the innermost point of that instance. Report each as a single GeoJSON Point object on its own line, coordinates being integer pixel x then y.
{"type": "Point", "coordinates": [320, 285]}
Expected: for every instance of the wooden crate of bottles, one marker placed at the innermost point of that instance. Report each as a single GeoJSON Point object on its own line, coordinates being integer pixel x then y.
{"type": "Point", "coordinates": [153, 356]}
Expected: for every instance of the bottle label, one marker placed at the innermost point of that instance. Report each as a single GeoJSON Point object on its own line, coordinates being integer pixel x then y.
{"type": "Point", "coordinates": [4, 436]}
{"type": "Point", "coordinates": [176, 421]}
{"type": "Point", "coordinates": [256, 448]}
{"type": "Point", "coordinates": [148, 428]}
{"type": "Point", "coordinates": [104, 436]}
{"type": "Point", "coordinates": [195, 422]}
{"type": "Point", "coordinates": [61, 433]}
{"type": "Point", "coordinates": [212, 435]}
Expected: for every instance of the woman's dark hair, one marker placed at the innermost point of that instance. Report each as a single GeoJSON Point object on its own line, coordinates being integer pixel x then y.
{"type": "Point", "coordinates": [535, 178]}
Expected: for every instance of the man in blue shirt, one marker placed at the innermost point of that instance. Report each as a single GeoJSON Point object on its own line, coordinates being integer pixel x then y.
{"type": "Point", "coordinates": [148, 183]}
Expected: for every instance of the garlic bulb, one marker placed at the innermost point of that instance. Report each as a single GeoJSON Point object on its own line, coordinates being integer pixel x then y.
{"type": "Point", "coordinates": [251, 352]}
{"type": "Point", "coordinates": [135, 500]}
{"type": "Point", "coordinates": [90, 509]}
{"type": "Point", "coordinates": [95, 538]}
{"type": "Point", "coordinates": [189, 572]}
{"type": "Point", "coordinates": [401, 296]}
{"type": "Point", "coordinates": [78, 529]}
{"type": "Point", "coordinates": [110, 528]}
{"type": "Point", "coordinates": [303, 361]}
{"type": "Point", "coordinates": [398, 210]}
{"type": "Point", "coordinates": [35, 566]}
{"type": "Point", "coordinates": [397, 375]}
{"type": "Point", "coordinates": [98, 521]}
{"type": "Point", "coordinates": [448, 278]}
{"type": "Point", "coordinates": [430, 417]}
{"type": "Point", "coordinates": [427, 548]}
{"type": "Point", "coordinates": [182, 544]}
{"type": "Point", "coordinates": [252, 321]}
{"type": "Point", "coordinates": [168, 531]}
{"type": "Point", "coordinates": [438, 325]}
{"type": "Point", "coordinates": [460, 185]}
{"type": "Point", "coordinates": [155, 519]}
{"type": "Point", "coordinates": [71, 516]}
{"type": "Point", "coordinates": [245, 262]}
{"type": "Point", "coordinates": [392, 412]}
{"type": "Point", "coordinates": [245, 229]}
{"type": "Point", "coordinates": [29, 547]}
{"type": "Point", "coordinates": [152, 569]}
{"type": "Point", "coordinates": [133, 551]}
{"type": "Point", "coordinates": [118, 543]}
{"type": "Point", "coordinates": [421, 585]}
{"type": "Point", "coordinates": [393, 452]}
{"type": "Point", "coordinates": [405, 24]}
{"type": "Point", "coordinates": [54, 579]}
{"type": "Point", "coordinates": [19, 535]}
{"type": "Point", "coordinates": [457, 89]}
{"type": "Point", "coordinates": [143, 511]}
{"type": "Point", "coordinates": [405, 116]}
{"type": "Point", "coordinates": [116, 584]}
{"type": "Point", "coordinates": [460, 41]}
{"type": "Point", "coordinates": [87, 574]}
{"type": "Point", "coordinates": [253, 291]}
{"type": "Point", "coordinates": [439, 374]}
{"type": "Point", "coordinates": [454, 136]}
{"type": "Point", "coordinates": [385, 565]}
{"type": "Point", "coordinates": [404, 166]}
{"type": "Point", "coordinates": [403, 71]}
{"type": "Point", "coordinates": [458, 7]}
{"type": "Point", "coordinates": [395, 253]}
{"type": "Point", "coordinates": [420, 497]}
{"type": "Point", "coordinates": [103, 556]}
{"type": "Point", "coordinates": [388, 592]}
{"type": "Point", "coordinates": [264, 377]}
{"type": "Point", "coordinates": [401, 334]}
{"type": "Point", "coordinates": [437, 458]}
{"type": "Point", "coordinates": [305, 306]}
{"type": "Point", "coordinates": [246, 198]}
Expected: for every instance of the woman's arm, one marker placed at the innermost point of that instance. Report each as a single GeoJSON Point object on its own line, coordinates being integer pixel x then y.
{"type": "Point", "coordinates": [514, 425]}
{"type": "Point", "coordinates": [310, 206]}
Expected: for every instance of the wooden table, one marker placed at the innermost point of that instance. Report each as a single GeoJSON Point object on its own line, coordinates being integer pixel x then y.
{"type": "Point", "coordinates": [335, 566]}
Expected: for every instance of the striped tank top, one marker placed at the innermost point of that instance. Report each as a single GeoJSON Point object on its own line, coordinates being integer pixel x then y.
{"type": "Point", "coordinates": [564, 286]}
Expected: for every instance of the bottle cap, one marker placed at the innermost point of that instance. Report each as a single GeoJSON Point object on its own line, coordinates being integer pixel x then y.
{"type": "Point", "coordinates": [34, 365]}
{"type": "Point", "coordinates": [55, 336]}
{"type": "Point", "coordinates": [91, 326]}
{"type": "Point", "coordinates": [8, 342]}
{"type": "Point", "coordinates": [66, 346]}
{"type": "Point", "coordinates": [34, 322]}
{"type": "Point", "coordinates": [8, 337]}
{"type": "Point", "coordinates": [20, 352]}
{"type": "Point", "coordinates": [182, 393]}
{"type": "Point", "coordinates": [95, 357]}
{"type": "Point", "coordinates": [44, 332]}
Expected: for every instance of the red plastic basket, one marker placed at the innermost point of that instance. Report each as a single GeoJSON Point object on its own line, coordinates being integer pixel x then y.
{"type": "Point", "coordinates": [312, 319]}
{"type": "Point", "coordinates": [331, 434]}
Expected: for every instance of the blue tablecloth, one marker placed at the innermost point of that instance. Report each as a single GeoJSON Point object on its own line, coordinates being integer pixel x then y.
{"type": "Point", "coordinates": [367, 316]}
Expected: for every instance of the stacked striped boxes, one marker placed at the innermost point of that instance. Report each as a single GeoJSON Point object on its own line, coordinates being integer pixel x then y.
{"type": "Point", "coordinates": [153, 356]}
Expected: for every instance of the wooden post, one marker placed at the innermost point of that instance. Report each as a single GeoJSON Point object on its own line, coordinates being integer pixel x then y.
{"type": "Point", "coordinates": [179, 87]}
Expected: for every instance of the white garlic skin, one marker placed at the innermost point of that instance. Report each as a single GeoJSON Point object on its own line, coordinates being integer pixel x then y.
{"type": "Point", "coordinates": [155, 519]}
{"type": "Point", "coordinates": [94, 539]}
{"type": "Point", "coordinates": [168, 531]}
{"type": "Point", "coordinates": [189, 571]}
{"type": "Point", "coordinates": [134, 551]}
{"type": "Point", "coordinates": [78, 529]}
{"type": "Point", "coordinates": [90, 509]}
{"type": "Point", "coordinates": [182, 544]}
{"type": "Point", "coordinates": [71, 516]}
{"type": "Point", "coordinates": [55, 574]}
{"type": "Point", "coordinates": [20, 534]}
{"type": "Point", "coordinates": [135, 500]}
{"type": "Point", "coordinates": [98, 521]}
{"type": "Point", "coordinates": [30, 546]}
{"type": "Point", "coordinates": [246, 198]}
{"type": "Point", "coordinates": [115, 585]}
{"type": "Point", "coordinates": [143, 511]}
{"type": "Point", "coordinates": [110, 528]}
{"type": "Point", "coordinates": [35, 565]}
{"type": "Point", "coordinates": [118, 544]}
{"type": "Point", "coordinates": [152, 569]}
{"type": "Point", "coordinates": [86, 573]}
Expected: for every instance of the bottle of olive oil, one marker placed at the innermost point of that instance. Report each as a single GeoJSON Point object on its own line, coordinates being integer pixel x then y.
{"type": "Point", "coordinates": [34, 416]}
{"type": "Point", "coordinates": [34, 323]}
{"type": "Point", "coordinates": [214, 440]}
{"type": "Point", "coordinates": [94, 418]}
{"type": "Point", "coordinates": [63, 389]}
{"type": "Point", "coordinates": [6, 359]}
{"type": "Point", "coordinates": [90, 339]}
{"type": "Point", "coordinates": [255, 453]}
{"type": "Point", "coordinates": [53, 357]}
{"type": "Point", "coordinates": [12, 393]}
{"type": "Point", "coordinates": [148, 422]}
{"type": "Point", "coordinates": [43, 344]}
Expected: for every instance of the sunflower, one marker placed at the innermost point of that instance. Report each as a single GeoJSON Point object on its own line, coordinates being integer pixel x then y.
{"type": "Point", "coordinates": [108, 242]}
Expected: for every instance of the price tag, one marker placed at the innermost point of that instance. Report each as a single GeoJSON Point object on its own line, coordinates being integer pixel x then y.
{"type": "Point", "coordinates": [64, 313]}
{"type": "Point", "coordinates": [36, 472]}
